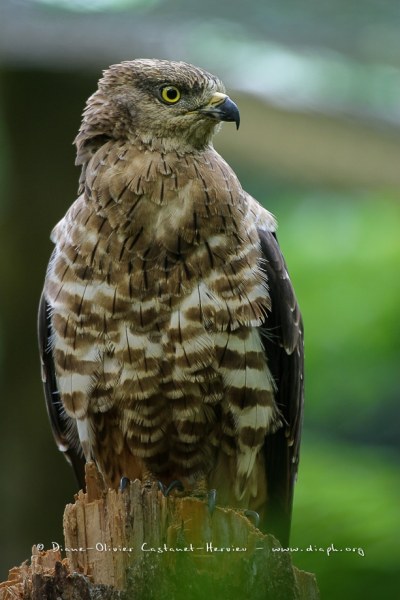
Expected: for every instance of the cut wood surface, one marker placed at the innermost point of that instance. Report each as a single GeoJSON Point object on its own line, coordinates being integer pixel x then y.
{"type": "Point", "coordinates": [138, 544]}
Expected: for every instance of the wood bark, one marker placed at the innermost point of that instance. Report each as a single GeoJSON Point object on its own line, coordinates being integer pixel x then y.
{"type": "Point", "coordinates": [137, 544]}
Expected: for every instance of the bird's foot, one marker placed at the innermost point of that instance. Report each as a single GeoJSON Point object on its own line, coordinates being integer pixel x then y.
{"type": "Point", "coordinates": [253, 517]}
{"type": "Point", "coordinates": [123, 484]}
{"type": "Point", "coordinates": [208, 496]}
{"type": "Point", "coordinates": [174, 485]}
{"type": "Point", "coordinates": [200, 492]}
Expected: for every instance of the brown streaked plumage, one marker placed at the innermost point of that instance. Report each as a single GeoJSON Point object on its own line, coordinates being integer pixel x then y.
{"type": "Point", "coordinates": [171, 338]}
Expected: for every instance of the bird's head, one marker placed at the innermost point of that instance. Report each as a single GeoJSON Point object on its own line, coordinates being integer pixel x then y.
{"type": "Point", "coordinates": [161, 104]}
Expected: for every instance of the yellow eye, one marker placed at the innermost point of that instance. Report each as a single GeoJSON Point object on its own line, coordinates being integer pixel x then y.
{"type": "Point", "coordinates": [170, 94]}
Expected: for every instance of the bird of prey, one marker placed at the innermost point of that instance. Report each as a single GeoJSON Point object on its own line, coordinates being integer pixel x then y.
{"type": "Point", "coordinates": [170, 335]}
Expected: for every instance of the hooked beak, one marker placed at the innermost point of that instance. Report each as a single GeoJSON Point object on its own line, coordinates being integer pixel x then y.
{"type": "Point", "coordinates": [221, 108]}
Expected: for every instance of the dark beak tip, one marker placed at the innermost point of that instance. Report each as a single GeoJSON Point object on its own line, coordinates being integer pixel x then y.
{"type": "Point", "coordinates": [228, 111]}
{"type": "Point", "coordinates": [225, 111]}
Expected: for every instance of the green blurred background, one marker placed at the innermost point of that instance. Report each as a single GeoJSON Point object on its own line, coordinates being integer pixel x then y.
{"type": "Point", "coordinates": [318, 85]}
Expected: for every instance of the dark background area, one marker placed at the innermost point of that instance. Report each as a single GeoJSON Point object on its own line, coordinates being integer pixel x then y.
{"type": "Point", "coordinates": [318, 86]}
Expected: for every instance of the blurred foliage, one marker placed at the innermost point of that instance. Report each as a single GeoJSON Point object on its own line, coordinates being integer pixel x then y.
{"type": "Point", "coordinates": [346, 251]}
{"type": "Point", "coordinates": [339, 222]}
{"type": "Point", "coordinates": [347, 496]}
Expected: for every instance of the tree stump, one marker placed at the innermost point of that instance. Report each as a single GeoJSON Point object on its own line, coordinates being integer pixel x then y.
{"type": "Point", "coordinates": [139, 545]}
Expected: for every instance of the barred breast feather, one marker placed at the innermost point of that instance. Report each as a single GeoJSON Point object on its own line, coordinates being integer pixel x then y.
{"type": "Point", "coordinates": [157, 292]}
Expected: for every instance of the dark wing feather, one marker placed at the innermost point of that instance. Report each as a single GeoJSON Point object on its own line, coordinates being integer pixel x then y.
{"type": "Point", "coordinates": [64, 428]}
{"type": "Point", "coordinates": [284, 347]}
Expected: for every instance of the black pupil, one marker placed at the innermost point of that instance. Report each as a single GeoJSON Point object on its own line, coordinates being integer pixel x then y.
{"type": "Point", "coordinates": [172, 94]}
